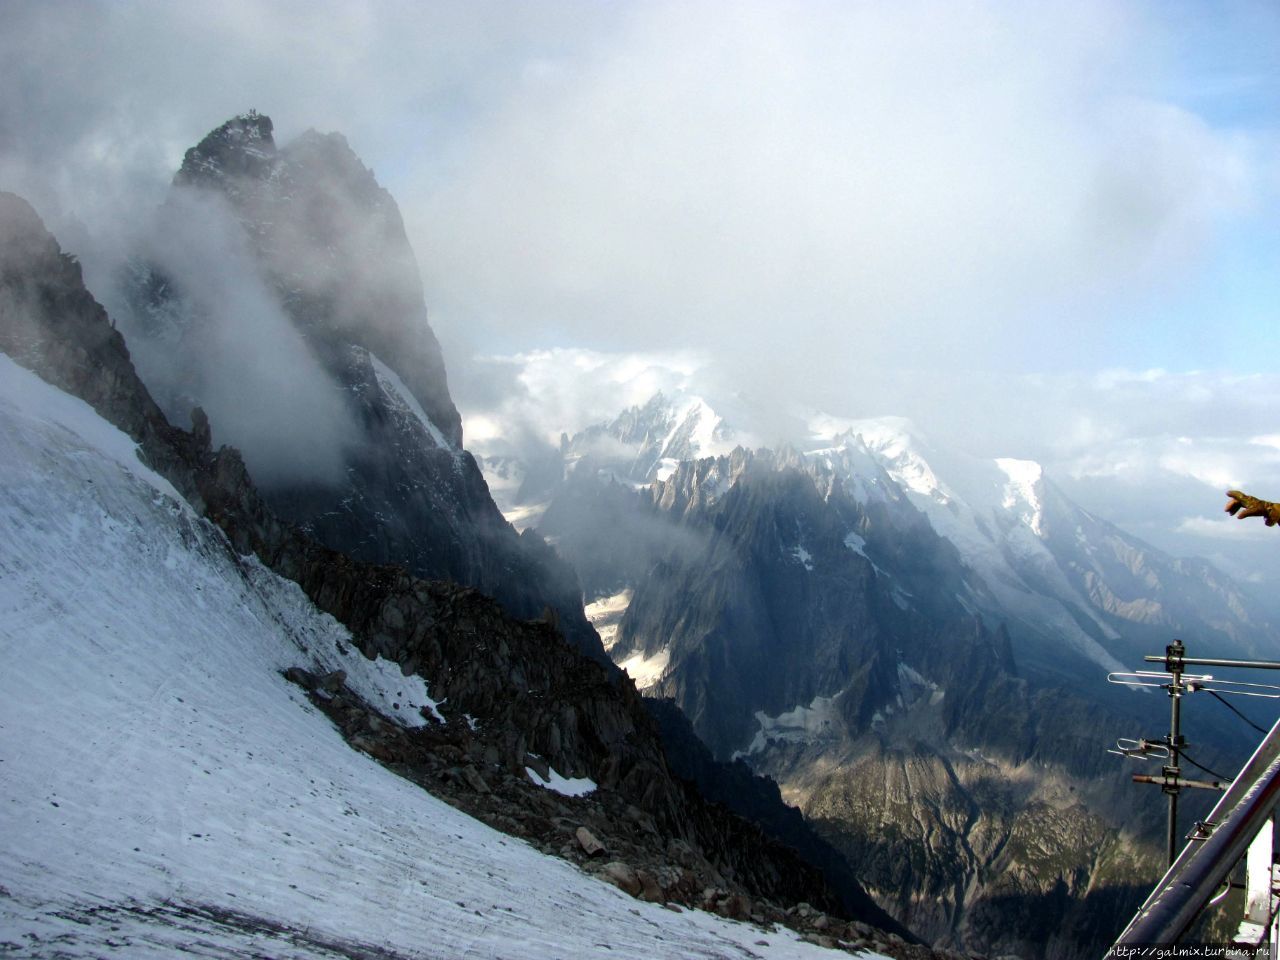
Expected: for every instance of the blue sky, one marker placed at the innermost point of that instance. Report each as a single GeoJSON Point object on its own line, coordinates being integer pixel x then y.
{"type": "Point", "coordinates": [1222, 62]}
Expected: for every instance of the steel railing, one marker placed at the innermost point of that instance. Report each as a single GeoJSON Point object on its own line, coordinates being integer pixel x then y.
{"type": "Point", "coordinates": [1214, 850]}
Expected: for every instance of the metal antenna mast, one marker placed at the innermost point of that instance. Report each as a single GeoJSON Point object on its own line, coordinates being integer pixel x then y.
{"type": "Point", "coordinates": [1242, 819]}
{"type": "Point", "coordinates": [1173, 664]}
{"type": "Point", "coordinates": [1170, 749]}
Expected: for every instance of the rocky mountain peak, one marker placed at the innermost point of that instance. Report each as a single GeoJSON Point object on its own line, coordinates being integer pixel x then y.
{"type": "Point", "coordinates": [24, 241]}
{"type": "Point", "coordinates": [310, 262]}
{"type": "Point", "coordinates": [241, 147]}
{"type": "Point", "coordinates": [522, 702]}
{"type": "Point", "coordinates": [51, 324]}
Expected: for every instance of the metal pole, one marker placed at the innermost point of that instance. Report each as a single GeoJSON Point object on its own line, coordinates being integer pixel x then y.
{"type": "Point", "coordinates": [1173, 663]}
{"type": "Point", "coordinates": [1201, 869]}
{"type": "Point", "coordinates": [1184, 782]}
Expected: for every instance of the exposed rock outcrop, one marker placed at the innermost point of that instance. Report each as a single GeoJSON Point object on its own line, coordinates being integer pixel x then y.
{"type": "Point", "coordinates": [828, 638]}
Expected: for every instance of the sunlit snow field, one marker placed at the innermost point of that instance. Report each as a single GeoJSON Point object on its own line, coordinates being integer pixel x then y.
{"type": "Point", "coordinates": [163, 789]}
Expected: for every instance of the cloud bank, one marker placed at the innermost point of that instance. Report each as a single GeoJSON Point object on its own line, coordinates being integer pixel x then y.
{"type": "Point", "coordinates": [829, 194]}
{"type": "Point", "coordinates": [961, 213]}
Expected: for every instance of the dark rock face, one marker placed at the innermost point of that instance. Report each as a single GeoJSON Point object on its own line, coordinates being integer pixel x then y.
{"type": "Point", "coordinates": [749, 582]}
{"type": "Point", "coordinates": [333, 243]}
{"type": "Point", "coordinates": [754, 797]}
{"type": "Point", "coordinates": [50, 323]}
{"type": "Point", "coordinates": [327, 263]}
{"type": "Point", "coordinates": [971, 857]}
{"type": "Point", "coordinates": [527, 690]}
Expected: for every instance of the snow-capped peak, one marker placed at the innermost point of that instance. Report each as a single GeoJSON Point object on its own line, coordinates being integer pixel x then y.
{"type": "Point", "coordinates": [992, 510]}
{"type": "Point", "coordinates": [1022, 492]}
{"type": "Point", "coordinates": [901, 449]}
{"type": "Point", "coordinates": [696, 431]}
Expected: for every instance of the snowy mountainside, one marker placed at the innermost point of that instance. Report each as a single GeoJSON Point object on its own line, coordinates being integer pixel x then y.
{"type": "Point", "coordinates": [658, 436]}
{"type": "Point", "coordinates": [166, 790]}
{"type": "Point", "coordinates": [991, 511]}
{"type": "Point", "coordinates": [520, 696]}
{"type": "Point", "coordinates": [643, 443]}
{"type": "Point", "coordinates": [1060, 577]}
{"type": "Point", "coordinates": [1054, 571]}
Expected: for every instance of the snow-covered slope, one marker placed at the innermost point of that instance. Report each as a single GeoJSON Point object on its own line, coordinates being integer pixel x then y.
{"type": "Point", "coordinates": [1047, 562]}
{"type": "Point", "coordinates": [164, 791]}
{"type": "Point", "coordinates": [645, 443]}
{"type": "Point", "coordinates": [992, 511]}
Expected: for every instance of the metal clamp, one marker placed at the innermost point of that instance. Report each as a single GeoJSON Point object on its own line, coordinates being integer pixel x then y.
{"type": "Point", "coordinates": [1141, 749]}
{"type": "Point", "coordinates": [1203, 830]}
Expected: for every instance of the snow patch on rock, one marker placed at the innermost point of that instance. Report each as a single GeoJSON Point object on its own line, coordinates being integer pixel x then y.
{"type": "Point", "coordinates": [401, 396]}
{"type": "Point", "coordinates": [606, 613]}
{"type": "Point", "coordinates": [820, 720]}
{"type": "Point", "coordinates": [646, 670]}
{"type": "Point", "coordinates": [565, 786]}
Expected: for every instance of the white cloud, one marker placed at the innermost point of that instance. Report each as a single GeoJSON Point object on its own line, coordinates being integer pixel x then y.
{"type": "Point", "coordinates": [851, 203]}
{"type": "Point", "coordinates": [822, 192]}
{"type": "Point", "coordinates": [546, 392]}
{"type": "Point", "coordinates": [1229, 528]}
{"type": "Point", "coordinates": [930, 210]}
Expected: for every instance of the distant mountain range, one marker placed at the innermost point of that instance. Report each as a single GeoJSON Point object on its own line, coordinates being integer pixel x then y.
{"type": "Point", "coordinates": [1065, 582]}
{"type": "Point", "coordinates": [913, 642]}
{"type": "Point", "coordinates": [910, 642]}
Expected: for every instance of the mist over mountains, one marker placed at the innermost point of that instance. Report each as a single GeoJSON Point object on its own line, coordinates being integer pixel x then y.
{"type": "Point", "coordinates": [1053, 241]}
{"type": "Point", "coordinates": [277, 291]}
{"type": "Point", "coordinates": [815, 402]}
{"type": "Point", "coordinates": [907, 639]}
{"type": "Point", "coordinates": [173, 569]}
{"type": "Point", "coordinates": [876, 609]}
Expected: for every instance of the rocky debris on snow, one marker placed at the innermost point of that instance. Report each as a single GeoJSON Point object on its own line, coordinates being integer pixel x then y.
{"type": "Point", "coordinates": [602, 833]}
{"type": "Point", "coordinates": [588, 842]}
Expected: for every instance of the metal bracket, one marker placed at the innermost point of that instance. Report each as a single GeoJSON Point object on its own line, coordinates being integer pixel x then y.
{"type": "Point", "coordinates": [1203, 830]}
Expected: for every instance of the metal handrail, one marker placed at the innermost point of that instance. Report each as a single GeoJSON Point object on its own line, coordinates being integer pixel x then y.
{"type": "Point", "coordinates": [1181, 661]}
{"type": "Point", "coordinates": [1205, 862]}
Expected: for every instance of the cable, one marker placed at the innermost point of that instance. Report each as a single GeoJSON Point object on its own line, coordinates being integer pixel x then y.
{"type": "Point", "coordinates": [1216, 776]}
{"type": "Point", "coordinates": [1228, 705]}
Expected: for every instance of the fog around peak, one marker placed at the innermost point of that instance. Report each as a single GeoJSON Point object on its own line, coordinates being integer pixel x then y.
{"type": "Point", "coordinates": [225, 343]}
{"type": "Point", "coordinates": [1049, 232]}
